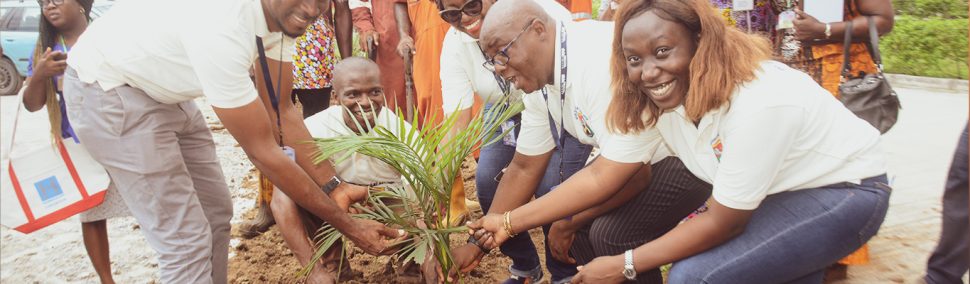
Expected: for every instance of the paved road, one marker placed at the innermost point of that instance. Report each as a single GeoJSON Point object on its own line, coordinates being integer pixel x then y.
{"type": "Point", "coordinates": [920, 149]}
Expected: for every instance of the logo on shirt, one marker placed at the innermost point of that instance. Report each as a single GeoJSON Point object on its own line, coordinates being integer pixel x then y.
{"type": "Point", "coordinates": [584, 121]}
{"type": "Point", "coordinates": [717, 146]}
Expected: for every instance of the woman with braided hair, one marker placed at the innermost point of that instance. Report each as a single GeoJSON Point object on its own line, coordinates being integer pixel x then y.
{"type": "Point", "coordinates": [62, 23]}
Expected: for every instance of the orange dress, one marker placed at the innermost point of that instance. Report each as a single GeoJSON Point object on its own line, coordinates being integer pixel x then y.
{"type": "Point", "coordinates": [823, 61]}
{"type": "Point", "coordinates": [428, 31]}
{"type": "Point", "coordinates": [581, 9]}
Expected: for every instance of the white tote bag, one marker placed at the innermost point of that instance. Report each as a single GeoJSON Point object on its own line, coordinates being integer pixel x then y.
{"type": "Point", "coordinates": [42, 183]}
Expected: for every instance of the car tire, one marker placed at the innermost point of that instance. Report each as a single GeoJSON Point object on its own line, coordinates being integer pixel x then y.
{"type": "Point", "coordinates": [10, 80]}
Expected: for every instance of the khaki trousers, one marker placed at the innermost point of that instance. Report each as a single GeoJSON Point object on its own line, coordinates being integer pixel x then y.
{"type": "Point", "coordinates": [162, 159]}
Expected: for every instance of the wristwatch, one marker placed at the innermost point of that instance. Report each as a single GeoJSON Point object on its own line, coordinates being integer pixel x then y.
{"type": "Point", "coordinates": [628, 271]}
{"type": "Point", "coordinates": [331, 185]}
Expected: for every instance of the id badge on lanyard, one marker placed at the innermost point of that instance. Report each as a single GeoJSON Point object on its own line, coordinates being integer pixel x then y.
{"type": "Point", "coordinates": [289, 152]}
{"type": "Point", "coordinates": [508, 127]}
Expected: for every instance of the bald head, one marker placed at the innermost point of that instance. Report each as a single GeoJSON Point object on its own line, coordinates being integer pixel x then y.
{"type": "Point", "coordinates": [520, 39]}
{"type": "Point", "coordinates": [352, 68]}
{"type": "Point", "coordinates": [510, 16]}
{"type": "Point", "coordinates": [357, 85]}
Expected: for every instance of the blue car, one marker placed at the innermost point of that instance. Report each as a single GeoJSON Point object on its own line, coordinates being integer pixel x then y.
{"type": "Point", "coordinates": [19, 22]}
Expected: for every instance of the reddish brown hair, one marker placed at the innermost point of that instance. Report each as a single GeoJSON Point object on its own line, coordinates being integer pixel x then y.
{"type": "Point", "coordinates": [725, 58]}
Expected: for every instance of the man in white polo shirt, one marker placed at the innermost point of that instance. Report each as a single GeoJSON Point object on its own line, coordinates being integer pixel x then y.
{"type": "Point", "coordinates": [360, 94]}
{"type": "Point", "coordinates": [564, 67]}
{"type": "Point", "coordinates": [129, 88]}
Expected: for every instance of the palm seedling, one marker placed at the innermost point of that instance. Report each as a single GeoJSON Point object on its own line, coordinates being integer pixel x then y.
{"type": "Point", "coordinates": [429, 163]}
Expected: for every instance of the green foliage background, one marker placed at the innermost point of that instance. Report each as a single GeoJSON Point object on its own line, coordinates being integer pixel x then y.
{"type": "Point", "coordinates": [928, 39]}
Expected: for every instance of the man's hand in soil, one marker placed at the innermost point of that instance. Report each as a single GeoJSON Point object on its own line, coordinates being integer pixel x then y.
{"type": "Point", "coordinates": [466, 259]}
{"type": "Point", "coordinates": [560, 239]}
{"type": "Point", "coordinates": [374, 238]}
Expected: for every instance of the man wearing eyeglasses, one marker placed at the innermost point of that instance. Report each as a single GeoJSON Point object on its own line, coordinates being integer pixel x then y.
{"type": "Point", "coordinates": [463, 77]}
{"type": "Point", "coordinates": [129, 91]}
{"type": "Point", "coordinates": [565, 67]}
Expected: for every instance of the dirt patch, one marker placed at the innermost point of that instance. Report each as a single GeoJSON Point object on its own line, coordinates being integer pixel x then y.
{"type": "Point", "coordinates": [266, 259]}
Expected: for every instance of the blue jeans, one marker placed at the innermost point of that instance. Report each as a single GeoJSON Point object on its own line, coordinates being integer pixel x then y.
{"type": "Point", "coordinates": [495, 157]}
{"type": "Point", "coordinates": [793, 236]}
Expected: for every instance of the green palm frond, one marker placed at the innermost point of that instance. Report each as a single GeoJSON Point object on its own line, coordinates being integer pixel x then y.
{"type": "Point", "coordinates": [428, 165]}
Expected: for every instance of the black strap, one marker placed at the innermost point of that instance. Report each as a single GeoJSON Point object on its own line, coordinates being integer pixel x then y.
{"type": "Point", "coordinates": [874, 43]}
{"type": "Point", "coordinates": [846, 67]}
{"type": "Point", "coordinates": [273, 99]}
{"type": "Point", "coordinates": [559, 135]}
{"type": "Point", "coordinates": [872, 46]}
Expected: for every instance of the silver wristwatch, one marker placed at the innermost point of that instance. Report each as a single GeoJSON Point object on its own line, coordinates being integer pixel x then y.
{"type": "Point", "coordinates": [628, 271]}
{"type": "Point", "coordinates": [331, 185]}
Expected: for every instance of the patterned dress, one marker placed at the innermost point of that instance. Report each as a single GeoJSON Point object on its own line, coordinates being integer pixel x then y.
{"type": "Point", "coordinates": [315, 56]}
{"type": "Point", "coordinates": [822, 62]}
{"type": "Point", "coordinates": [762, 19]}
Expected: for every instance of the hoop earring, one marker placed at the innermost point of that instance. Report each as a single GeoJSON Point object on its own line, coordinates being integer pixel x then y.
{"type": "Point", "coordinates": [82, 11]}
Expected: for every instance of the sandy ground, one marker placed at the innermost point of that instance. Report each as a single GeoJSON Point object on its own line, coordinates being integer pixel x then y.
{"type": "Point", "coordinates": [56, 254]}
{"type": "Point", "coordinates": [920, 151]}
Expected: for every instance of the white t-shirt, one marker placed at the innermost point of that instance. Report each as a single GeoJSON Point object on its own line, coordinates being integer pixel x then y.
{"type": "Point", "coordinates": [279, 47]}
{"type": "Point", "coordinates": [359, 168]}
{"type": "Point", "coordinates": [206, 49]}
{"type": "Point", "coordinates": [588, 97]}
{"type": "Point", "coordinates": [781, 132]}
{"type": "Point", "coordinates": [462, 74]}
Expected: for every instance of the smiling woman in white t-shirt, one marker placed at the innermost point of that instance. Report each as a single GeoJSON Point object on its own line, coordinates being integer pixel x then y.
{"type": "Point", "coordinates": [798, 180]}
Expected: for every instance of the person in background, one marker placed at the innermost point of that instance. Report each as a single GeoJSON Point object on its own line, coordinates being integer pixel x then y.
{"type": "Point", "coordinates": [761, 20]}
{"type": "Point", "coordinates": [374, 21]}
{"type": "Point", "coordinates": [62, 23]}
{"type": "Point", "coordinates": [316, 55]}
{"type": "Point", "coordinates": [130, 87]}
{"type": "Point", "coordinates": [420, 18]}
{"type": "Point", "coordinates": [422, 32]}
{"type": "Point", "coordinates": [581, 9]}
{"type": "Point", "coordinates": [951, 258]}
{"type": "Point", "coordinates": [816, 48]}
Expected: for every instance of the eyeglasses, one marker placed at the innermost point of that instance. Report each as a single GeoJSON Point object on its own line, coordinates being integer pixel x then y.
{"type": "Point", "coordinates": [453, 16]}
{"type": "Point", "coordinates": [44, 3]}
{"type": "Point", "coordinates": [502, 57]}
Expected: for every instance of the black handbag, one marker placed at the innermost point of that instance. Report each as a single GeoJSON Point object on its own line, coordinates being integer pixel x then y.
{"type": "Point", "coordinates": [869, 96]}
